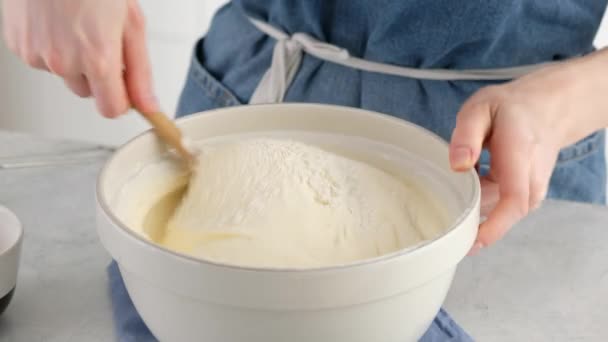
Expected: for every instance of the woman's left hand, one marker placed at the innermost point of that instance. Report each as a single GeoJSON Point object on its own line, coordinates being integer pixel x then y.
{"type": "Point", "coordinates": [524, 124]}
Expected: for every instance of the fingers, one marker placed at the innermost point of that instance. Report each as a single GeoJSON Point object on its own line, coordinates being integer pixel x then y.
{"type": "Point", "coordinates": [35, 61]}
{"type": "Point", "coordinates": [138, 75]}
{"type": "Point", "coordinates": [106, 81]}
{"type": "Point", "coordinates": [489, 199]}
{"type": "Point", "coordinates": [506, 190]}
{"type": "Point", "coordinates": [96, 72]}
{"type": "Point", "coordinates": [110, 93]}
{"type": "Point", "coordinates": [21, 45]}
{"type": "Point", "coordinates": [513, 166]}
{"type": "Point", "coordinates": [489, 195]}
{"type": "Point", "coordinates": [79, 85]}
{"type": "Point", "coordinates": [79, 41]}
{"type": "Point", "coordinates": [518, 182]}
{"type": "Point", "coordinates": [540, 175]}
{"type": "Point", "coordinates": [472, 126]}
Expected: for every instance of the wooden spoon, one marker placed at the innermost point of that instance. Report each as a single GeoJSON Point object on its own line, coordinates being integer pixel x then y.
{"type": "Point", "coordinates": [167, 131]}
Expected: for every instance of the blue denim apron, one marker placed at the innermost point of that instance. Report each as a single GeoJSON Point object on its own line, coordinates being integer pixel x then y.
{"type": "Point", "coordinates": [232, 59]}
{"type": "Point", "coordinates": [229, 64]}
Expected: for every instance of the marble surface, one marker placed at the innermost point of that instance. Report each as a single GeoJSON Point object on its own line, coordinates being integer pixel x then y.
{"type": "Point", "coordinates": [546, 281]}
{"type": "Point", "coordinates": [61, 289]}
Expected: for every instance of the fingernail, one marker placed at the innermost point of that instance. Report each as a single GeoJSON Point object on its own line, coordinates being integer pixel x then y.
{"type": "Point", "coordinates": [461, 157]}
{"type": "Point", "coordinates": [476, 248]}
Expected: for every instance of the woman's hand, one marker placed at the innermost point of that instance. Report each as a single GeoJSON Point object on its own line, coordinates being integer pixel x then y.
{"type": "Point", "coordinates": [524, 124]}
{"type": "Point", "coordinates": [97, 47]}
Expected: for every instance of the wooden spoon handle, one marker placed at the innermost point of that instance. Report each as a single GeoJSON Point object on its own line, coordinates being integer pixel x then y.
{"type": "Point", "coordinates": [167, 130]}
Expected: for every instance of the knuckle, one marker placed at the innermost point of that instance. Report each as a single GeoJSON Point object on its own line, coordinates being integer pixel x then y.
{"type": "Point", "coordinates": [493, 98]}
{"type": "Point", "coordinates": [55, 62]}
{"type": "Point", "coordinates": [80, 93]}
{"type": "Point", "coordinates": [31, 59]}
{"type": "Point", "coordinates": [470, 110]}
{"type": "Point", "coordinates": [100, 57]}
{"type": "Point", "coordinates": [487, 93]}
{"type": "Point", "coordinates": [99, 61]}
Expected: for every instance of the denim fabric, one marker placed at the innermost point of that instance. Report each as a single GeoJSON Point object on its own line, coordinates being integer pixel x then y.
{"type": "Point", "coordinates": [230, 61]}
{"type": "Point", "coordinates": [436, 33]}
{"type": "Point", "coordinates": [128, 326]}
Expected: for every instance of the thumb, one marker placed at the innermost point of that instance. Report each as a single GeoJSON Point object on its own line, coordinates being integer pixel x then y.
{"type": "Point", "coordinates": [473, 124]}
{"type": "Point", "coordinates": [138, 74]}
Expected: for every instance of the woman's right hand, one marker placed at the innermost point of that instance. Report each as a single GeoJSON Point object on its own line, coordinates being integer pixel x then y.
{"type": "Point", "coordinates": [97, 47]}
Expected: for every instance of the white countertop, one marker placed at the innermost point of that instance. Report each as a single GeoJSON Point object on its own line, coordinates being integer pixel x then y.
{"type": "Point", "coordinates": [546, 281]}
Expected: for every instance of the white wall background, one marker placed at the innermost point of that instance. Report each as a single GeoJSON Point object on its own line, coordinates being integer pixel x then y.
{"type": "Point", "coordinates": [37, 102]}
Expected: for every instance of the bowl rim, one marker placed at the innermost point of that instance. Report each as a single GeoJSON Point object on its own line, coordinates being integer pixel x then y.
{"type": "Point", "coordinates": [131, 235]}
{"type": "Point", "coordinates": [13, 224]}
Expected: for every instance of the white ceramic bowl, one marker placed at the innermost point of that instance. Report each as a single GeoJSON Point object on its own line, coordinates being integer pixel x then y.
{"type": "Point", "coordinates": [393, 298]}
{"type": "Point", "coordinates": [11, 236]}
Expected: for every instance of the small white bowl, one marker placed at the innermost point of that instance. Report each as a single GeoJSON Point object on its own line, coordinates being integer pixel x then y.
{"type": "Point", "coordinates": [392, 298]}
{"type": "Point", "coordinates": [11, 237]}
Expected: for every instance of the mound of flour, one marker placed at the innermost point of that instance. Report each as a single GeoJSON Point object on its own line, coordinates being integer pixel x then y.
{"type": "Point", "coordinates": [282, 203]}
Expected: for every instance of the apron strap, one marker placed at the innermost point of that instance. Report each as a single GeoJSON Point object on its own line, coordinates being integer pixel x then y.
{"type": "Point", "coordinates": [288, 51]}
